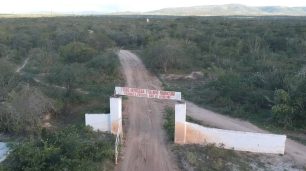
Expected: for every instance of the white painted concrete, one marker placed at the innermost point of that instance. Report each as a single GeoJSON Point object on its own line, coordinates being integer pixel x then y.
{"type": "Point", "coordinates": [180, 112]}
{"type": "Point", "coordinates": [180, 124]}
{"type": "Point", "coordinates": [107, 122]}
{"type": "Point", "coordinates": [236, 140]}
{"type": "Point", "coordinates": [4, 151]}
{"type": "Point", "coordinates": [99, 122]}
{"type": "Point", "coordinates": [190, 133]}
{"type": "Point", "coordinates": [115, 113]}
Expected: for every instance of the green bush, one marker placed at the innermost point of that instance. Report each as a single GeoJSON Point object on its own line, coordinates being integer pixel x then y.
{"type": "Point", "coordinates": [73, 148]}
{"type": "Point", "coordinates": [107, 62]}
{"type": "Point", "coordinates": [77, 52]}
{"type": "Point", "coordinates": [169, 122]}
{"type": "Point", "coordinates": [168, 55]}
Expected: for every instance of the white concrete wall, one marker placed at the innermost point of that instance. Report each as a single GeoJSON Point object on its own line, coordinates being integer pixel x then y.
{"type": "Point", "coordinates": [180, 124]}
{"type": "Point", "coordinates": [115, 113]}
{"type": "Point", "coordinates": [236, 140]}
{"type": "Point", "coordinates": [107, 122]}
{"type": "Point", "coordinates": [99, 122]}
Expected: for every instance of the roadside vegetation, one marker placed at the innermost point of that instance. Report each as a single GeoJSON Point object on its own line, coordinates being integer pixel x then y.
{"type": "Point", "coordinates": [250, 68]}
{"type": "Point", "coordinates": [72, 148]}
{"type": "Point", "coordinates": [52, 72]}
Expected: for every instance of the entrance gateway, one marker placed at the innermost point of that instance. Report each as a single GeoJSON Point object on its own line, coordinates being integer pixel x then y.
{"type": "Point", "coordinates": [185, 132]}
{"type": "Point", "coordinates": [180, 107]}
{"type": "Point", "coordinates": [112, 122]}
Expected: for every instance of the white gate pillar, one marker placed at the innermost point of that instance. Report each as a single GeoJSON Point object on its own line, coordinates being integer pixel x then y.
{"type": "Point", "coordinates": [116, 114]}
{"type": "Point", "coordinates": [180, 123]}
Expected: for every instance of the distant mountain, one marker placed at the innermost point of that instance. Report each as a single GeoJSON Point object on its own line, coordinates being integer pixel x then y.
{"type": "Point", "coordinates": [230, 9]}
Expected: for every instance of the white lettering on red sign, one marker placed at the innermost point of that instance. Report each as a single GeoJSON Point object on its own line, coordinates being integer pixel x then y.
{"type": "Point", "coordinates": [137, 92]}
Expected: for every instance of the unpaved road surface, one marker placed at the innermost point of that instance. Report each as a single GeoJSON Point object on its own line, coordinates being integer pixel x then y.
{"type": "Point", "coordinates": [145, 147]}
{"type": "Point", "coordinates": [25, 62]}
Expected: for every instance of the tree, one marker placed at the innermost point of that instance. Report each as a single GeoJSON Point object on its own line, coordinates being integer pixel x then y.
{"type": "Point", "coordinates": [167, 54]}
{"type": "Point", "coordinates": [22, 42]}
{"type": "Point", "coordinates": [99, 40]}
{"type": "Point", "coordinates": [3, 50]}
{"type": "Point", "coordinates": [77, 52]}
{"type": "Point", "coordinates": [283, 111]}
{"type": "Point", "coordinates": [105, 62]}
{"type": "Point", "coordinates": [8, 79]}
{"type": "Point", "coordinates": [68, 77]}
{"type": "Point", "coordinates": [23, 112]}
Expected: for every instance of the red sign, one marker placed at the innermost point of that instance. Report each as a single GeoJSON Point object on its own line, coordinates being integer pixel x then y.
{"type": "Point", "coordinates": [138, 92]}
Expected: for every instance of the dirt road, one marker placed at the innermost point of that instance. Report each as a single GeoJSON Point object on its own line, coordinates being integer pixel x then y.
{"type": "Point", "coordinates": [25, 62]}
{"type": "Point", "coordinates": [145, 146]}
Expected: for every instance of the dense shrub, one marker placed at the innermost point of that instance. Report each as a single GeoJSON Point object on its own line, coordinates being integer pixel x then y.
{"type": "Point", "coordinates": [243, 60]}
{"type": "Point", "coordinates": [169, 122]}
{"type": "Point", "coordinates": [169, 55]}
{"type": "Point", "coordinates": [77, 52]}
{"type": "Point", "coordinates": [107, 63]}
{"type": "Point", "coordinates": [24, 114]}
{"type": "Point", "coordinates": [8, 78]}
{"type": "Point", "coordinates": [73, 148]}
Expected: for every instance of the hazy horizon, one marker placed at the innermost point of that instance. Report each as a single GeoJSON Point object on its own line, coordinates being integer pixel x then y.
{"type": "Point", "coordinates": [110, 6]}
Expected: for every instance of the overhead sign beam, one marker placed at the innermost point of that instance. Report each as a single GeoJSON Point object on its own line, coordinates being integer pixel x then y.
{"type": "Point", "coordinates": [157, 94]}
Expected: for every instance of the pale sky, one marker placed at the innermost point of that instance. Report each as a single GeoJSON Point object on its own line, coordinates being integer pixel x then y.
{"type": "Point", "coordinates": [69, 6]}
